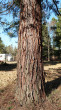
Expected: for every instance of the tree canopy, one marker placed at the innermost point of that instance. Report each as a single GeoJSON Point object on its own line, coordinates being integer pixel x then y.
{"type": "Point", "coordinates": [13, 7]}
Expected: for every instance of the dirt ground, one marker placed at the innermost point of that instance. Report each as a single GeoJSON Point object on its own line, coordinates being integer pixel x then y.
{"type": "Point", "coordinates": [8, 75]}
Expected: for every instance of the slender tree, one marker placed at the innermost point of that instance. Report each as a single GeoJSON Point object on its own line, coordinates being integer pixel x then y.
{"type": "Point", "coordinates": [48, 48]}
{"type": "Point", "coordinates": [56, 30]}
{"type": "Point", "coordinates": [45, 42]}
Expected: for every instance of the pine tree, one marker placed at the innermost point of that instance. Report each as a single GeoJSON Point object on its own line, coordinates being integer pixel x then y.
{"type": "Point", "coordinates": [30, 70]}
{"type": "Point", "coordinates": [2, 46]}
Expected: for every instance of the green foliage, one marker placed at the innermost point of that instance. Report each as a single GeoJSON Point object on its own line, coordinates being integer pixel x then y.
{"type": "Point", "coordinates": [58, 33]}
{"type": "Point", "coordinates": [56, 28]}
{"type": "Point", "coordinates": [45, 41]}
{"type": "Point", "coordinates": [11, 34]}
{"type": "Point", "coordinates": [44, 34]}
{"type": "Point", "coordinates": [10, 50]}
{"type": "Point", "coordinates": [10, 108]}
{"type": "Point", "coordinates": [12, 28]}
{"type": "Point", "coordinates": [2, 46]}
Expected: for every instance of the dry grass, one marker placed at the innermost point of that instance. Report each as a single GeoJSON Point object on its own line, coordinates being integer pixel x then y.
{"type": "Point", "coordinates": [53, 83]}
{"type": "Point", "coordinates": [8, 75]}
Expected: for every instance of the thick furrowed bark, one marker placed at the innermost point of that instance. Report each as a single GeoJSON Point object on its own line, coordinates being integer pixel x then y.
{"type": "Point", "coordinates": [30, 76]}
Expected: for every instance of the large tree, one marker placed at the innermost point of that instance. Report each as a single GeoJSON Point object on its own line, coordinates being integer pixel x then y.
{"type": "Point", "coordinates": [30, 70]}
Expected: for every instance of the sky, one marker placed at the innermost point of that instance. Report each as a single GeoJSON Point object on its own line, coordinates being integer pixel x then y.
{"type": "Point", "coordinates": [4, 36]}
{"type": "Point", "coordinates": [7, 40]}
{"type": "Point", "coordinates": [13, 41]}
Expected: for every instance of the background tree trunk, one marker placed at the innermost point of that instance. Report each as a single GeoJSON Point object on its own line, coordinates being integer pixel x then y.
{"type": "Point", "coordinates": [48, 48]}
{"type": "Point", "coordinates": [30, 70]}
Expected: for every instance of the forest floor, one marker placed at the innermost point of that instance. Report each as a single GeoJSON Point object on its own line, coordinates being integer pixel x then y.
{"type": "Point", "coordinates": [8, 76]}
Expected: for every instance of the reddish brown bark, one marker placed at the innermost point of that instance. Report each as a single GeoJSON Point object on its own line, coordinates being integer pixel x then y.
{"type": "Point", "coordinates": [30, 71]}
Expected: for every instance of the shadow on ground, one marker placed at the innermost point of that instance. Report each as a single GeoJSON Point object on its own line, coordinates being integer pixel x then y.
{"type": "Point", "coordinates": [7, 67]}
{"type": "Point", "coordinates": [51, 85]}
{"type": "Point", "coordinates": [51, 62]}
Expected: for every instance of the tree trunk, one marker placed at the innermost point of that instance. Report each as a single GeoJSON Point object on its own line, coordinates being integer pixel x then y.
{"type": "Point", "coordinates": [30, 70]}
{"type": "Point", "coordinates": [48, 48]}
